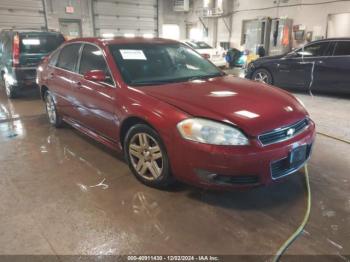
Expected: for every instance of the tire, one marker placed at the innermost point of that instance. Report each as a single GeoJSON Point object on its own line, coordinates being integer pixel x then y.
{"type": "Point", "coordinates": [10, 90]}
{"type": "Point", "coordinates": [54, 118]}
{"type": "Point", "coordinates": [262, 75]}
{"type": "Point", "coordinates": [147, 157]}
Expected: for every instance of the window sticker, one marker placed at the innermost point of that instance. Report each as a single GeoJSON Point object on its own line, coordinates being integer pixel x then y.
{"type": "Point", "coordinates": [130, 54]}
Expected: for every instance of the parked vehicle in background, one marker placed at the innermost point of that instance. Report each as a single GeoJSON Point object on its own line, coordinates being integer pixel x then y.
{"type": "Point", "coordinates": [215, 55]}
{"type": "Point", "coordinates": [174, 114]}
{"type": "Point", "coordinates": [20, 54]}
{"type": "Point", "coordinates": [322, 65]}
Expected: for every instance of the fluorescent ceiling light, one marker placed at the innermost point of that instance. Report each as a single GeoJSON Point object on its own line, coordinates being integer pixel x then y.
{"type": "Point", "coordinates": [148, 35]}
{"type": "Point", "coordinates": [107, 35]}
{"type": "Point", "coordinates": [129, 35]}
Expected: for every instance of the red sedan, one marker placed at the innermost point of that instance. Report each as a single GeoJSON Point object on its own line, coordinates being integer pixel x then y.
{"type": "Point", "coordinates": [173, 114]}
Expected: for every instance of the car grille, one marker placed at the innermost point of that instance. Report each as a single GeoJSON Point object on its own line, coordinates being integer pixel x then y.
{"type": "Point", "coordinates": [281, 134]}
{"type": "Point", "coordinates": [281, 168]}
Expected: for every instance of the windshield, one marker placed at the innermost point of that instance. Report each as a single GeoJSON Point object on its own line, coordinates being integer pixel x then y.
{"type": "Point", "coordinates": [40, 44]}
{"type": "Point", "coordinates": [148, 64]}
{"type": "Point", "coordinates": [199, 45]}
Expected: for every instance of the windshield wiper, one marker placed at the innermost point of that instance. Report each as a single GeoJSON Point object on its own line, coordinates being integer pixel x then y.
{"type": "Point", "coordinates": [205, 76]}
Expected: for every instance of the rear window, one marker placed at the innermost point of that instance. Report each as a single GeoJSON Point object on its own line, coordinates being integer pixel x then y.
{"type": "Point", "coordinates": [40, 44]}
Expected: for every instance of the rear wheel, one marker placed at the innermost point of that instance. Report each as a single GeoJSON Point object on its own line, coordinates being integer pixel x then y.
{"type": "Point", "coordinates": [54, 118]}
{"type": "Point", "coordinates": [262, 75]}
{"type": "Point", "coordinates": [147, 157]}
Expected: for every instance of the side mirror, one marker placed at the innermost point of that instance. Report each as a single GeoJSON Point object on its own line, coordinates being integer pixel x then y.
{"type": "Point", "coordinates": [95, 75]}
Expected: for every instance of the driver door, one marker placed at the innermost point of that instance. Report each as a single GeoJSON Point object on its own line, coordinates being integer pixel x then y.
{"type": "Point", "coordinates": [296, 70]}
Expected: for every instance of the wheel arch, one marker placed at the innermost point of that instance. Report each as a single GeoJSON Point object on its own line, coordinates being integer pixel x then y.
{"type": "Point", "coordinates": [130, 122]}
{"type": "Point", "coordinates": [43, 90]}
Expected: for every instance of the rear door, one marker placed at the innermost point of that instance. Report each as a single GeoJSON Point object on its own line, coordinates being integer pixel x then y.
{"type": "Point", "coordinates": [96, 99]}
{"type": "Point", "coordinates": [334, 72]}
{"type": "Point", "coordinates": [35, 46]}
{"type": "Point", "coordinates": [60, 77]}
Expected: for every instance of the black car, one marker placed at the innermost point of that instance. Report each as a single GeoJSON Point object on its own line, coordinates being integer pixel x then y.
{"type": "Point", "coordinates": [322, 65]}
{"type": "Point", "coordinates": [20, 54]}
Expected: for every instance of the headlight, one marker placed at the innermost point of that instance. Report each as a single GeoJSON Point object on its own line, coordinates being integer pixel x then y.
{"type": "Point", "coordinates": [211, 132]}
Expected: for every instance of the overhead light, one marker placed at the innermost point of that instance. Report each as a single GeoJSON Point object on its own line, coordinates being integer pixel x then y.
{"type": "Point", "coordinates": [148, 35]}
{"type": "Point", "coordinates": [31, 41]}
{"type": "Point", "coordinates": [129, 35]}
{"type": "Point", "coordinates": [107, 35]}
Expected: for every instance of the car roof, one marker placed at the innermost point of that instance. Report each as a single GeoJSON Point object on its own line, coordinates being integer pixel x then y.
{"type": "Point", "coordinates": [332, 39]}
{"type": "Point", "coordinates": [123, 40]}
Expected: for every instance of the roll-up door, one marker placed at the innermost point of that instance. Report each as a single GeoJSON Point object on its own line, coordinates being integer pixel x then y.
{"type": "Point", "coordinates": [121, 17]}
{"type": "Point", "coordinates": [22, 14]}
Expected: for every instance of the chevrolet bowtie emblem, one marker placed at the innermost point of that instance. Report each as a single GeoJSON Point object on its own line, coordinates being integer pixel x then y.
{"type": "Point", "coordinates": [290, 132]}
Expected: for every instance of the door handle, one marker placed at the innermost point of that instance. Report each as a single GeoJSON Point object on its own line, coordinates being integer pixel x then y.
{"type": "Point", "coordinates": [78, 84]}
{"type": "Point", "coordinates": [51, 75]}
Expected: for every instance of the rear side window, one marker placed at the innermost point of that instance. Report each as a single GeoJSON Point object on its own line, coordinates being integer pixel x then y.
{"type": "Point", "coordinates": [68, 57]}
{"type": "Point", "coordinates": [92, 59]}
{"type": "Point", "coordinates": [39, 44]}
{"type": "Point", "coordinates": [342, 48]}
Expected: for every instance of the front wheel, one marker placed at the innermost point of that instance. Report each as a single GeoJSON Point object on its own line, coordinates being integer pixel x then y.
{"type": "Point", "coordinates": [262, 75]}
{"type": "Point", "coordinates": [147, 157]}
{"type": "Point", "coordinates": [54, 118]}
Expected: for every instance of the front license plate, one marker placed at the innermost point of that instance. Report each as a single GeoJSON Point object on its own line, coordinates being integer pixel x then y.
{"type": "Point", "coordinates": [297, 156]}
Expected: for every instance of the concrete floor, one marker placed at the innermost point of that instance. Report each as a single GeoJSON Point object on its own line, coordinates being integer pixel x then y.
{"type": "Point", "coordinates": [62, 193]}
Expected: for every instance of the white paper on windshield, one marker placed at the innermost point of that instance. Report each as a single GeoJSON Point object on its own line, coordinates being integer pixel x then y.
{"type": "Point", "coordinates": [130, 54]}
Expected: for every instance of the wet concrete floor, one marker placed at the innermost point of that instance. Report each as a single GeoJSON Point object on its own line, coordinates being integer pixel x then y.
{"type": "Point", "coordinates": [62, 193]}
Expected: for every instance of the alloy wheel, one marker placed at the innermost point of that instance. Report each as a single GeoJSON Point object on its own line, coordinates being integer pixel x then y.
{"type": "Point", "coordinates": [7, 89]}
{"type": "Point", "coordinates": [261, 77]}
{"type": "Point", "coordinates": [51, 110]}
{"type": "Point", "coordinates": [146, 156]}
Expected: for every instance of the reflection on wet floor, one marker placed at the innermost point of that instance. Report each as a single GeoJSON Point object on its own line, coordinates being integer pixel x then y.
{"type": "Point", "coordinates": [62, 193]}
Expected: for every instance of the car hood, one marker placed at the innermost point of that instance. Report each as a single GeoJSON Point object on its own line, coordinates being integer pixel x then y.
{"type": "Point", "coordinates": [254, 107]}
{"type": "Point", "coordinates": [267, 58]}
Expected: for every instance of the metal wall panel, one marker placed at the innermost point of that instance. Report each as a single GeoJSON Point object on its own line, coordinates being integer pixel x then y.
{"type": "Point", "coordinates": [22, 14]}
{"type": "Point", "coordinates": [121, 17]}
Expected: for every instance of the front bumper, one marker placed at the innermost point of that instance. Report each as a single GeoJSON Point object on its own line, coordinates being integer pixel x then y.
{"type": "Point", "coordinates": [213, 166]}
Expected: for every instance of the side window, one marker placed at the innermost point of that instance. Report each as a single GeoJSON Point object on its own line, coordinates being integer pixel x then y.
{"type": "Point", "coordinates": [68, 57]}
{"type": "Point", "coordinates": [92, 59]}
{"type": "Point", "coordinates": [54, 58]}
{"type": "Point", "coordinates": [342, 48]}
{"type": "Point", "coordinates": [314, 49]}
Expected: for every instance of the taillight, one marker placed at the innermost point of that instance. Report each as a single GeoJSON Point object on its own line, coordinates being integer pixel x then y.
{"type": "Point", "coordinates": [206, 56]}
{"type": "Point", "coordinates": [15, 50]}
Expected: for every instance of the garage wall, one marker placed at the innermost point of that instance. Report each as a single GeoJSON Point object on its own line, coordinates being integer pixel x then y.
{"type": "Point", "coordinates": [22, 14]}
{"type": "Point", "coordinates": [121, 17]}
{"type": "Point", "coordinates": [55, 10]}
{"type": "Point", "coordinates": [313, 14]}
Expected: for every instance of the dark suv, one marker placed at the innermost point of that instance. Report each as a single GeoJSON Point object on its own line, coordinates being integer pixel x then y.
{"type": "Point", "coordinates": [318, 66]}
{"type": "Point", "coordinates": [20, 54]}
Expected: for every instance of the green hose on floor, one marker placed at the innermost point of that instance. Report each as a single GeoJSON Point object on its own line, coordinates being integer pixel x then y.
{"type": "Point", "coordinates": [300, 229]}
